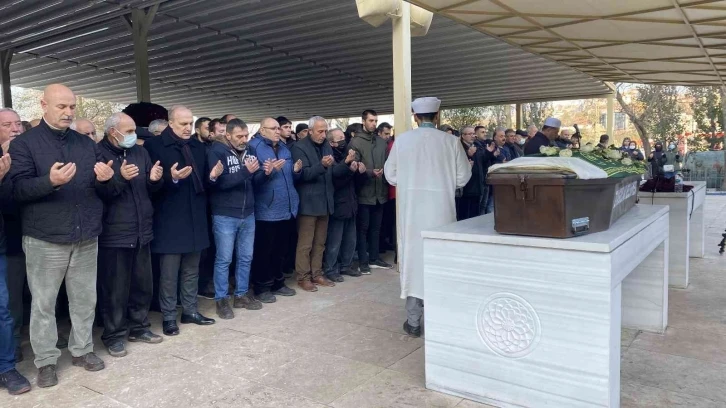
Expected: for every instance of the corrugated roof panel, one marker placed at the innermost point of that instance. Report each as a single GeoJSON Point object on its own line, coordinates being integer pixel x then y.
{"type": "Point", "coordinates": [260, 58]}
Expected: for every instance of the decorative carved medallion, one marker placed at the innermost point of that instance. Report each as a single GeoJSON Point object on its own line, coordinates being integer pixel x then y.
{"type": "Point", "coordinates": [508, 325]}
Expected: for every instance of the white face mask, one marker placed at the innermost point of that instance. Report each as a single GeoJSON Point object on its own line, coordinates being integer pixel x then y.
{"type": "Point", "coordinates": [128, 141]}
{"type": "Point", "coordinates": [522, 142]}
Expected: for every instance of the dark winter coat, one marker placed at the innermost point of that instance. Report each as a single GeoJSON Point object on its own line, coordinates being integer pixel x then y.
{"type": "Point", "coordinates": [315, 185]}
{"type": "Point", "coordinates": [128, 214]}
{"type": "Point", "coordinates": [537, 141]}
{"type": "Point", "coordinates": [180, 213]}
{"type": "Point", "coordinates": [371, 150]}
{"type": "Point", "coordinates": [62, 215]}
{"type": "Point", "coordinates": [344, 179]}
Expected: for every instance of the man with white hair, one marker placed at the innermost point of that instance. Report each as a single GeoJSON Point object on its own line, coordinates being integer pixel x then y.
{"type": "Point", "coordinates": [315, 188]}
{"type": "Point", "coordinates": [157, 126]}
{"type": "Point", "coordinates": [61, 221]}
{"type": "Point", "coordinates": [124, 254]}
{"type": "Point", "coordinates": [180, 217]}
{"type": "Point", "coordinates": [426, 166]}
{"type": "Point", "coordinates": [85, 127]}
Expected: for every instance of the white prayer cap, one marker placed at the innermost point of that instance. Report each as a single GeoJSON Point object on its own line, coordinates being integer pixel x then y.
{"type": "Point", "coordinates": [428, 104]}
{"type": "Point", "coordinates": [553, 122]}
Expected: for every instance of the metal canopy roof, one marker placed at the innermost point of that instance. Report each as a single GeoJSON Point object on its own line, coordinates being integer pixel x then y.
{"type": "Point", "coordinates": [650, 41]}
{"type": "Point", "coordinates": [257, 58]}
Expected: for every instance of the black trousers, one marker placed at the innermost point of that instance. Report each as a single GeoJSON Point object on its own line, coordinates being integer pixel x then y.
{"type": "Point", "coordinates": [467, 207]}
{"type": "Point", "coordinates": [272, 242]}
{"type": "Point", "coordinates": [126, 283]}
{"type": "Point", "coordinates": [388, 226]}
{"type": "Point", "coordinates": [369, 232]}
{"type": "Point", "coordinates": [178, 271]}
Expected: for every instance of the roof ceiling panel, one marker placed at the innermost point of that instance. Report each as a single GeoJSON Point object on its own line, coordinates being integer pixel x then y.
{"type": "Point", "coordinates": [638, 36]}
{"type": "Point", "coordinates": [291, 57]}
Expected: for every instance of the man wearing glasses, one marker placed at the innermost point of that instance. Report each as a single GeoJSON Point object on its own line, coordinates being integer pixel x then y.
{"type": "Point", "coordinates": [276, 203]}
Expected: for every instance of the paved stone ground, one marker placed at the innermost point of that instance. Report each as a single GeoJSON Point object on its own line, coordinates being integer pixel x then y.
{"type": "Point", "coordinates": [344, 347]}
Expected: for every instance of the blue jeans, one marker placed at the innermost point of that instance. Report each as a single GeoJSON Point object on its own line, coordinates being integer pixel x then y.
{"type": "Point", "coordinates": [229, 234]}
{"type": "Point", "coordinates": [7, 342]}
{"type": "Point", "coordinates": [340, 246]}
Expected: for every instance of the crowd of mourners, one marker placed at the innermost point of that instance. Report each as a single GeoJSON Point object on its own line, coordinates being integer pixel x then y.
{"type": "Point", "coordinates": [181, 207]}
{"type": "Point", "coordinates": [140, 217]}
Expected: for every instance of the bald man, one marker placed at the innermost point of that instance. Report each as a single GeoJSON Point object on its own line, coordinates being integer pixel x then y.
{"type": "Point", "coordinates": [85, 127]}
{"type": "Point", "coordinates": [182, 197]}
{"type": "Point", "coordinates": [124, 273]}
{"type": "Point", "coordinates": [57, 174]}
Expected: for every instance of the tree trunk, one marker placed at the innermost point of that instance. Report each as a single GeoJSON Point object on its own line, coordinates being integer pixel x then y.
{"type": "Point", "coordinates": [637, 122]}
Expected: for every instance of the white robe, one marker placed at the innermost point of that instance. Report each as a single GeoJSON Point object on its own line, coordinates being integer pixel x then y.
{"type": "Point", "coordinates": [427, 166]}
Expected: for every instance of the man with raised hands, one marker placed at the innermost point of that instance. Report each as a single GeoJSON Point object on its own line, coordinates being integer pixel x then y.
{"type": "Point", "coordinates": [57, 174]}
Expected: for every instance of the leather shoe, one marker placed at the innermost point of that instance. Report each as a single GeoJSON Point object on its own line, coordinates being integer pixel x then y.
{"type": "Point", "coordinates": [170, 328]}
{"type": "Point", "coordinates": [307, 286]}
{"type": "Point", "coordinates": [412, 331]}
{"type": "Point", "coordinates": [196, 318]}
{"type": "Point", "coordinates": [323, 281]}
{"type": "Point", "coordinates": [89, 361]}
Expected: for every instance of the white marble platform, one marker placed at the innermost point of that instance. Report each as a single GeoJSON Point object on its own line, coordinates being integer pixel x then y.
{"type": "Point", "coordinates": [517, 321]}
{"type": "Point", "coordinates": [687, 229]}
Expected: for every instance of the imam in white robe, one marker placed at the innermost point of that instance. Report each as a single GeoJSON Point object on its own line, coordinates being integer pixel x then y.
{"type": "Point", "coordinates": [427, 166]}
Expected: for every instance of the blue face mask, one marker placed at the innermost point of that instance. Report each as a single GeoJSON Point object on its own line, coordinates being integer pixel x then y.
{"type": "Point", "coordinates": [128, 142]}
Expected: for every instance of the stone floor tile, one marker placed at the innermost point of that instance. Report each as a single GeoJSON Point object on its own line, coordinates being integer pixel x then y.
{"type": "Point", "coordinates": [101, 401]}
{"type": "Point", "coordinates": [702, 345]}
{"type": "Point", "coordinates": [373, 346]}
{"type": "Point", "coordinates": [61, 396]}
{"type": "Point", "coordinates": [321, 377]}
{"type": "Point", "coordinates": [639, 396]}
{"type": "Point", "coordinates": [252, 358]}
{"type": "Point", "coordinates": [627, 336]}
{"type": "Point", "coordinates": [365, 313]}
{"type": "Point", "coordinates": [311, 330]}
{"type": "Point", "coordinates": [413, 365]}
{"type": "Point", "coordinates": [253, 395]}
{"type": "Point", "coordinates": [471, 404]}
{"type": "Point", "coordinates": [392, 389]}
{"type": "Point", "coordinates": [674, 373]}
{"type": "Point", "coordinates": [187, 385]}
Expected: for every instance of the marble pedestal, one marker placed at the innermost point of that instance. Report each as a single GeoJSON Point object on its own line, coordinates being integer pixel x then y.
{"type": "Point", "coordinates": [517, 321]}
{"type": "Point", "coordinates": [687, 229]}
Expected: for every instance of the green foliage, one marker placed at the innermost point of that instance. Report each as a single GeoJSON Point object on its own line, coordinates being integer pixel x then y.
{"type": "Point", "coordinates": [458, 118]}
{"type": "Point", "coordinates": [535, 113]}
{"type": "Point", "coordinates": [664, 119]}
{"type": "Point", "coordinates": [497, 116]}
{"type": "Point", "coordinates": [708, 115]}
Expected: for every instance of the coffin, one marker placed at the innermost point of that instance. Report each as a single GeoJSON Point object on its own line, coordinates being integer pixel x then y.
{"type": "Point", "coordinates": [559, 205]}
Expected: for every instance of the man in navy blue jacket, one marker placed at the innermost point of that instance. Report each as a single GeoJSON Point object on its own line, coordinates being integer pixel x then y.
{"type": "Point", "coordinates": [232, 198]}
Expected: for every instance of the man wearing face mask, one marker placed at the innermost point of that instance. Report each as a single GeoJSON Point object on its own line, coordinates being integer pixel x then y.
{"type": "Point", "coordinates": [657, 160]}
{"type": "Point", "coordinates": [233, 218]}
{"type": "Point", "coordinates": [674, 157]}
{"type": "Point", "coordinates": [124, 254]}
{"type": "Point", "coordinates": [340, 244]}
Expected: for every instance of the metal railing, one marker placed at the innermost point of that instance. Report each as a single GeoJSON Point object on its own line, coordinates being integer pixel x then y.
{"type": "Point", "coordinates": [712, 177]}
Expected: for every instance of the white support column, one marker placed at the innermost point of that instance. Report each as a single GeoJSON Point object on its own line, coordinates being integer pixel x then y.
{"type": "Point", "coordinates": [610, 118]}
{"type": "Point", "coordinates": [402, 69]}
{"type": "Point", "coordinates": [139, 25]}
{"type": "Point", "coordinates": [7, 97]}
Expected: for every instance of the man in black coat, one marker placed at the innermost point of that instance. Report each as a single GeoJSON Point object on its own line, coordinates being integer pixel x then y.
{"type": "Point", "coordinates": [315, 188]}
{"type": "Point", "coordinates": [56, 175]}
{"type": "Point", "coordinates": [124, 255]}
{"type": "Point", "coordinates": [545, 137]}
{"type": "Point", "coordinates": [341, 239]}
{"type": "Point", "coordinates": [471, 195]}
{"type": "Point", "coordinates": [180, 216]}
